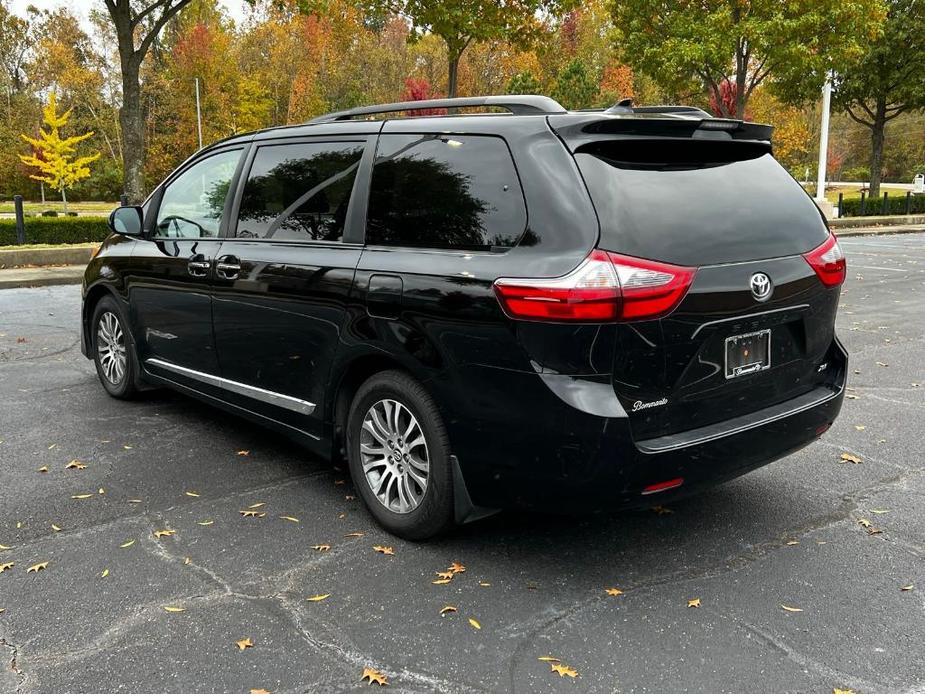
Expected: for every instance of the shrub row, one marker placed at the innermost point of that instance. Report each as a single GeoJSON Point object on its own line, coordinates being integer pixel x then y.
{"type": "Point", "coordinates": [895, 205]}
{"type": "Point", "coordinates": [56, 230]}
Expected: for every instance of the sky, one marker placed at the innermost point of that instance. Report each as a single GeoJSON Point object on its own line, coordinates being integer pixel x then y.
{"type": "Point", "coordinates": [82, 7]}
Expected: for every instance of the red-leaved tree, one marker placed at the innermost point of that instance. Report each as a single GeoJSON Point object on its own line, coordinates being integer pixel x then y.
{"type": "Point", "coordinates": [420, 90]}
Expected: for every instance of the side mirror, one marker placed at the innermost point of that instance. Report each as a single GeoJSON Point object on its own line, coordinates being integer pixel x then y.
{"type": "Point", "coordinates": [127, 221]}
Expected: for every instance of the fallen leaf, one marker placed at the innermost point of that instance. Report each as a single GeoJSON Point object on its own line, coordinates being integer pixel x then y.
{"type": "Point", "coordinates": [661, 510]}
{"type": "Point", "coordinates": [563, 670]}
{"type": "Point", "coordinates": [849, 458]}
{"type": "Point", "coordinates": [54, 445]}
{"type": "Point", "coordinates": [340, 482]}
{"type": "Point", "coordinates": [836, 690]}
{"type": "Point", "coordinates": [447, 610]}
{"type": "Point", "coordinates": [292, 519]}
{"type": "Point", "coordinates": [253, 514]}
{"type": "Point", "coordinates": [852, 396]}
{"type": "Point", "coordinates": [9, 565]}
{"type": "Point", "coordinates": [904, 588]}
{"type": "Point", "coordinates": [880, 363]}
{"type": "Point", "coordinates": [475, 623]}
{"type": "Point", "coordinates": [864, 523]}
{"type": "Point", "coordinates": [193, 494]}
{"type": "Point", "coordinates": [880, 511]}
{"type": "Point", "coordinates": [790, 543]}
{"type": "Point", "coordinates": [613, 591]}
{"type": "Point", "coordinates": [456, 568]}
{"type": "Point", "coordinates": [171, 608]}
{"type": "Point", "coordinates": [34, 569]}
{"type": "Point", "coordinates": [244, 452]}
{"type": "Point", "coordinates": [205, 522]}
{"type": "Point", "coordinates": [105, 573]}
{"type": "Point", "coordinates": [860, 427]}
{"type": "Point", "coordinates": [258, 504]}
{"type": "Point", "coordinates": [187, 561]}
{"type": "Point", "coordinates": [354, 535]}
{"type": "Point", "coordinates": [374, 677]}
{"type": "Point", "coordinates": [134, 501]}
{"type": "Point", "coordinates": [101, 491]}
{"type": "Point", "coordinates": [44, 468]}
{"type": "Point", "coordinates": [75, 465]}
{"type": "Point", "coordinates": [791, 609]}
{"type": "Point", "coordinates": [128, 543]}
{"type": "Point", "coordinates": [441, 581]}
{"type": "Point", "coordinates": [259, 691]}
{"type": "Point", "coordinates": [321, 548]}
{"type": "Point", "coordinates": [158, 534]}
{"type": "Point", "coordinates": [485, 584]}
{"type": "Point", "coordinates": [56, 528]}
{"type": "Point", "coordinates": [874, 531]}
{"type": "Point", "coordinates": [318, 598]}
{"type": "Point", "coordinates": [384, 550]}
{"type": "Point", "coordinates": [548, 659]}
{"type": "Point", "coordinates": [3, 547]}
{"type": "Point", "coordinates": [694, 602]}
{"type": "Point", "coordinates": [350, 497]}
{"type": "Point", "coordinates": [128, 448]}
{"type": "Point", "coordinates": [81, 496]}
{"type": "Point", "coordinates": [445, 574]}
{"type": "Point", "coordinates": [244, 643]}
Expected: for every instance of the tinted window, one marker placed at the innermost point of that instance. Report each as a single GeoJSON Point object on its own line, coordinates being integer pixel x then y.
{"type": "Point", "coordinates": [445, 191]}
{"type": "Point", "coordinates": [697, 202]}
{"type": "Point", "coordinates": [299, 191]}
{"type": "Point", "coordinates": [193, 203]}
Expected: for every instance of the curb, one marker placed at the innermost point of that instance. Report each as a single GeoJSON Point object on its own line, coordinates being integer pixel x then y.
{"type": "Point", "coordinates": [75, 254]}
{"type": "Point", "coordinates": [877, 231]}
{"type": "Point", "coordinates": [41, 276]}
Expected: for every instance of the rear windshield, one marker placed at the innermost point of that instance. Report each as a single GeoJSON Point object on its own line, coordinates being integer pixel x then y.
{"type": "Point", "coordinates": [697, 202]}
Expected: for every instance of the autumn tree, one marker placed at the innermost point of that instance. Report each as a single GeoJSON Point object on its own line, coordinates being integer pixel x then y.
{"type": "Point", "coordinates": [54, 156]}
{"type": "Point", "coordinates": [460, 23]}
{"type": "Point", "coordinates": [792, 45]}
{"type": "Point", "coordinates": [137, 24]}
{"type": "Point", "coordinates": [888, 81]}
{"type": "Point", "coordinates": [575, 88]}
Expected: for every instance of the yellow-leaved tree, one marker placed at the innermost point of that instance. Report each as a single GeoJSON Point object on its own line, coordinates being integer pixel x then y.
{"type": "Point", "coordinates": [55, 157]}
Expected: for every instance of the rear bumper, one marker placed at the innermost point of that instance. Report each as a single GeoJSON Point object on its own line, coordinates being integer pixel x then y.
{"type": "Point", "coordinates": [562, 459]}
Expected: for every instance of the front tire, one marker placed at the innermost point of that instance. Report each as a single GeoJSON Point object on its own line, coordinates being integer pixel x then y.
{"type": "Point", "coordinates": [113, 350]}
{"type": "Point", "coordinates": [399, 456]}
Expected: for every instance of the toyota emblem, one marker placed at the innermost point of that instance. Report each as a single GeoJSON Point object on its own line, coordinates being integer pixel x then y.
{"type": "Point", "coordinates": [761, 286]}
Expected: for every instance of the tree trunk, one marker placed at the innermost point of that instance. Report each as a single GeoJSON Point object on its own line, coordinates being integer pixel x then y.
{"type": "Point", "coordinates": [877, 134]}
{"type": "Point", "coordinates": [453, 78]}
{"type": "Point", "coordinates": [741, 77]}
{"type": "Point", "coordinates": [64, 200]}
{"type": "Point", "coordinates": [131, 120]}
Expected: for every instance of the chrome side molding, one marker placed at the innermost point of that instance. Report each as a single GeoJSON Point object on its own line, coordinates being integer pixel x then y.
{"type": "Point", "coordinates": [268, 396]}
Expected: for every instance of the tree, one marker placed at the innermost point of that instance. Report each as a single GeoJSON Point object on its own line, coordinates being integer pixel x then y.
{"type": "Point", "coordinates": [792, 45]}
{"type": "Point", "coordinates": [53, 155]}
{"type": "Point", "coordinates": [524, 83]}
{"type": "Point", "coordinates": [575, 88]}
{"type": "Point", "coordinates": [888, 81]}
{"type": "Point", "coordinates": [137, 25]}
{"type": "Point", "coordinates": [462, 22]}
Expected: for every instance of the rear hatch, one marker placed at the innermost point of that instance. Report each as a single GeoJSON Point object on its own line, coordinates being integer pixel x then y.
{"type": "Point", "coordinates": [671, 191]}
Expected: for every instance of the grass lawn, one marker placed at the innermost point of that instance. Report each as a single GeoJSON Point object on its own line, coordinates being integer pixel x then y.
{"type": "Point", "coordinates": [39, 246]}
{"type": "Point", "coordinates": [38, 207]}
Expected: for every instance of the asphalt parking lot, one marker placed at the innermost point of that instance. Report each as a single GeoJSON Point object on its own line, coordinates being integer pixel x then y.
{"type": "Point", "coordinates": [796, 593]}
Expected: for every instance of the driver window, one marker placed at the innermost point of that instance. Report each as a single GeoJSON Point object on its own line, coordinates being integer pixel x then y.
{"type": "Point", "coordinates": [193, 203]}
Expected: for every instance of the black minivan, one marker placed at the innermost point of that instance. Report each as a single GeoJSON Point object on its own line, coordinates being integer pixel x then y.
{"type": "Point", "coordinates": [569, 310]}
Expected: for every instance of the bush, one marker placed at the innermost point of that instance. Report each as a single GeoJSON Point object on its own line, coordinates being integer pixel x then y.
{"type": "Point", "coordinates": [56, 230]}
{"type": "Point", "coordinates": [896, 204]}
{"type": "Point", "coordinates": [50, 213]}
{"type": "Point", "coordinates": [856, 173]}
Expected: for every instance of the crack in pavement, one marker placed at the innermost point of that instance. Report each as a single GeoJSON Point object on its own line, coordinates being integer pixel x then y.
{"type": "Point", "coordinates": [14, 664]}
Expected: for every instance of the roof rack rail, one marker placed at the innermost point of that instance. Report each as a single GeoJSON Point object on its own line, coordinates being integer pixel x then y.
{"type": "Point", "coordinates": [693, 110]}
{"type": "Point", "coordinates": [517, 104]}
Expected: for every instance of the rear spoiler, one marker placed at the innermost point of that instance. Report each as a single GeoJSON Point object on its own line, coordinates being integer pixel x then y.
{"type": "Point", "coordinates": [577, 129]}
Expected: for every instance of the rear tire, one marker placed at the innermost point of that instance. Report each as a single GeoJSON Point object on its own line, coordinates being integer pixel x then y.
{"type": "Point", "coordinates": [113, 350]}
{"type": "Point", "coordinates": [399, 456]}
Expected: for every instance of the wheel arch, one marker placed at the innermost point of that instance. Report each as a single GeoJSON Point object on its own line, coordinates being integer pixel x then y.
{"type": "Point", "coordinates": [92, 297]}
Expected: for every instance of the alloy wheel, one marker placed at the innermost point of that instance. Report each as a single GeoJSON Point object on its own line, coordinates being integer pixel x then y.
{"type": "Point", "coordinates": [110, 345]}
{"type": "Point", "coordinates": [394, 456]}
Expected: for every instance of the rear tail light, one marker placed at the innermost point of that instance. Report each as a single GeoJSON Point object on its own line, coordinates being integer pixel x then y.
{"type": "Point", "coordinates": [828, 261]}
{"type": "Point", "coordinates": [604, 287]}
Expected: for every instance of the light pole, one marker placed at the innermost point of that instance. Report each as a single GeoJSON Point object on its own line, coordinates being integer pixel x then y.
{"type": "Point", "coordinates": [199, 114]}
{"type": "Point", "coordinates": [824, 138]}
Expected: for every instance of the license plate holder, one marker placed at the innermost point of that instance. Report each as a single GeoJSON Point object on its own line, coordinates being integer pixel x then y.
{"type": "Point", "coordinates": [748, 353]}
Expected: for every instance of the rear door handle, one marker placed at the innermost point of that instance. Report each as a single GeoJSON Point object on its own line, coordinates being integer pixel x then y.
{"type": "Point", "coordinates": [227, 267]}
{"type": "Point", "coordinates": [198, 266]}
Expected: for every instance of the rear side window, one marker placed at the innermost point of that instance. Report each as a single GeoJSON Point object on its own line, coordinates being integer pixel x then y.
{"type": "Point", "coordinates": [445, 191]}
{"type": "Point", "coordinates": [299, 191]}
{"type": "Point", "coordinates": [697, 202]}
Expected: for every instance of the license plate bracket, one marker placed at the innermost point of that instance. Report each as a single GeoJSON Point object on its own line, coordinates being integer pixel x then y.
{"type": "Point", "coordinates": [748, 353]}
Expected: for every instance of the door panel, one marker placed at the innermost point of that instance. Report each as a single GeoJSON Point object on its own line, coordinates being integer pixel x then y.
{"type": "Point", "coordinates": [171, 279]}
{"type": "Point", "coordinates": [283, 281]}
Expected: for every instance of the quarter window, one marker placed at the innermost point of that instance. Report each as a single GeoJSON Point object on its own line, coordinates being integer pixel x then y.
{"type": "Point", "coordinates": [299, 191]}
{"type": "Point", "coordinates": [193, 203]}
{"type": "Point", "coordinates": [445, 191]}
